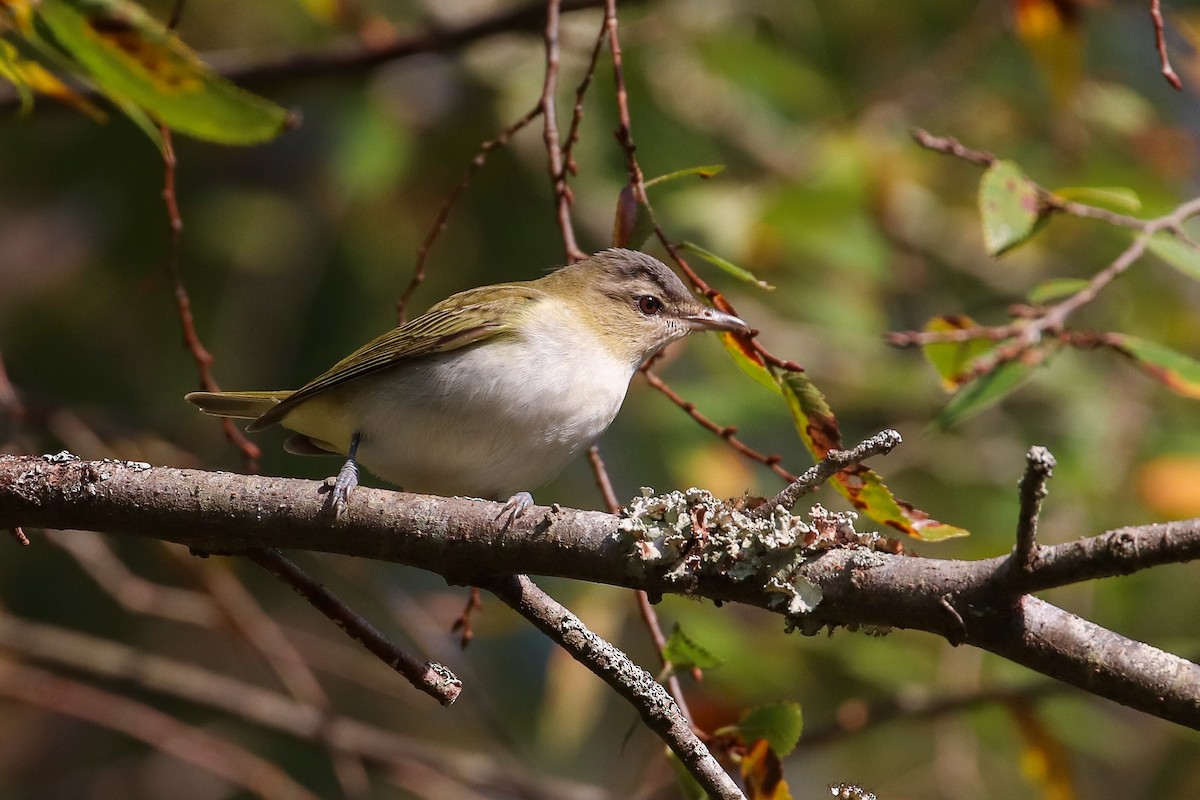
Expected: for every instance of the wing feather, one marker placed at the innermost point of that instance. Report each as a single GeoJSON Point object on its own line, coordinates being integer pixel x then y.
{"type": "Point", "coordinates": [463, 319]}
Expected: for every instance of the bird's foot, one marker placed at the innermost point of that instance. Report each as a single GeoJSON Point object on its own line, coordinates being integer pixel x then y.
{"type": "Point", "coordinates": [515, 508]}
{"type": "Point", "coordinates": [342, 486]}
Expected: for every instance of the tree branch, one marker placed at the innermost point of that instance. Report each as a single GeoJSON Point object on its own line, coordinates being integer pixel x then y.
{"type": "Point", "coordinates": [656, 707]}
{"type": "Point", "coordinates": [965, 601]}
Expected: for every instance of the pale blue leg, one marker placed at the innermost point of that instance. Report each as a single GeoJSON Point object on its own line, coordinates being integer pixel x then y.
{"type": "Point", "coordinates": [346, 480]}
{"type": "Point", "coordinates": [516, 507]}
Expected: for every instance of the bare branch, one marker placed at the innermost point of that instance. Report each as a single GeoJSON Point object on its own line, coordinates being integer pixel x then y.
{"type": "Point", "coordinates": [657, 709]}
{"type": "Point", "coordinates": [834, 462]}
{"type": "Point", "coordinates": [429, 677]}
{"type": "Point", "coordinates": [967, 601]}
{"type": "Point", "coordinates": [1039, 467]}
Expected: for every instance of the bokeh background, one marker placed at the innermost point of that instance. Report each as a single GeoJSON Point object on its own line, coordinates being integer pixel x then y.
{"type": "Point", "coordinates": [295, 252]}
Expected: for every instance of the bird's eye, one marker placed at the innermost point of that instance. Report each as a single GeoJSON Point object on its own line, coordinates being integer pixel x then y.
{"type": "Point", "coordinates": [649, 305]}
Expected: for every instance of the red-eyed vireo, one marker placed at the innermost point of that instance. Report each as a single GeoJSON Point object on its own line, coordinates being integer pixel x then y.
{"type": "Point", "coordinates": [493, 390]}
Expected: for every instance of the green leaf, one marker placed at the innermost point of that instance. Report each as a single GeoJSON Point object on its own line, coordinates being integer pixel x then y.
{"type": "Point", "coordinates": [1055, 289]}
{"type": "Point", "coordinates": [733, 269]}
{"type": "Point", "coordinates": [862, 486]}
{"type": "Point", "coordinates": [1178, 372]}
{"type": "Point", "coordinates": [984, 391]}
{"type": "Point", "coordinates": [132, 57]}
{"type": "Point", "coordinates": [1118, 198]}
{"type": "Point", "coordinates": [701, 172]}
{"type": "Point", "coordinates": [953, 360]}
{"type": "Point", "coordinates": [1176, 252]}
{"type": "Point", "coordinates": [1008, 205]}
{"type": "Point", "coordinates": [779, 723]}
{"type": "Point", "coordinates": [683, 652]}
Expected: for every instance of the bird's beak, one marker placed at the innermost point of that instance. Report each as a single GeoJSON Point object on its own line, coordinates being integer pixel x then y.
{"type": "Point", "coordinates": [709, 319]}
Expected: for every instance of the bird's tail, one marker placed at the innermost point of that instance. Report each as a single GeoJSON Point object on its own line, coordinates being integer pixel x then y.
{"type": "Point", "coordinates": [241, 405]}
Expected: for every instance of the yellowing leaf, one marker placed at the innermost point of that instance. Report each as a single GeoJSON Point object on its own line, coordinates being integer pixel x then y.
{"type": "Point", "coordinates": [1008, 205]}
{"type": "Point", "coordinates": [1178, 372]}
{"type": "Point", "coordinates": [859, 484]}
{"type": "Point", "coordinates": [132, 57]}
{"type": "Point", "coordinates": [763, 774]}
{"type": "Point", "coordinates": [953, 360]}
{"type": "Point", "coordinates": [750, 362]}
{"type": "Point", "coordinates": [30, 77]}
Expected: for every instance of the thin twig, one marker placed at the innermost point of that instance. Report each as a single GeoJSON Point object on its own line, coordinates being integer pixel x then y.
{"type": "Point", "coordinates": [834, 462]}
{"type": "Point", "coordinates": [558, 175]}
{"type": "Point", "coordinates": [653, 703]}
{"type": "Point", "coordinates": [726, 432]}
{"type": "Point", "coordinates": [1039, 468]}
{"type": "Point", "coordinates": [568, 148]}
{"type": "Point", "coordinates": [443, 215]}
{"type": "Point", "coordinates": [1160, 42]}
{"type": "Point", "coordinates": [650, 619]}
{"type": "Point", "coordinates": [250, 451]}
{"type": "Point", "coordinates": [950, 146]}
{"type": "Point", "coordinates": [429, 677]}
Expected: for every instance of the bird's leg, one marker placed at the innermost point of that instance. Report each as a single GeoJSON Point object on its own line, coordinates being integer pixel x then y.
{"type": "Point", "coordinates": [516, 507]}
{"type": "Point", "coordinates": [346, 480]}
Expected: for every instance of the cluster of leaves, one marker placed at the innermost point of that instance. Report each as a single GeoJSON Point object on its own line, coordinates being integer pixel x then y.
{"type": "Point", "coordinates": [981, 365]}
{"type": "Point", "coordinates": [810, 411]}
{"type": "Point", "coordinates": [115, 48]}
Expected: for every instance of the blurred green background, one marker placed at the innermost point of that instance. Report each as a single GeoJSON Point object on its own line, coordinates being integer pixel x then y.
{"type": "Point", "coordinates": [295, 252]}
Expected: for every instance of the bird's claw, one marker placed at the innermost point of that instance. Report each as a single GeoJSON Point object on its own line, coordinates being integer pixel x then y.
{"type": "Point", "coordinates": [340, 488]}
{"type": "Point", "coordinates": [515, 508]}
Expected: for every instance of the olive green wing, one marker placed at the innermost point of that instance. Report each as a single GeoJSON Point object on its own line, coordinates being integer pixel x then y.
{"type": "Point", "coordinates": [463, 319]}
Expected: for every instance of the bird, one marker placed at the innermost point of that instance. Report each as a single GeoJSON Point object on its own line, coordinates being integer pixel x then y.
{"type": "Point", "coordinates": [492, 391]}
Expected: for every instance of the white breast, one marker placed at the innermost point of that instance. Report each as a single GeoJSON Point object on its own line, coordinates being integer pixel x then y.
{"type": "Point", "coordinates": [489, 420]}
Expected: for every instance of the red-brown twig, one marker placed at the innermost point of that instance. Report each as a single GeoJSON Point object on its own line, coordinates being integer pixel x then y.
{"type": "Point", "coordinates": [558, 174]}
{"type": "Point", "coordinates": [1160, 42]}
{"type": "Point", "coordinates": [568, 148]}
{"type": "Point", "coordinates": [726, 432]}
{"type": "Point", "coordinates": [191, 339]}
{"type": "Point", "coordinates": [443, 215]}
